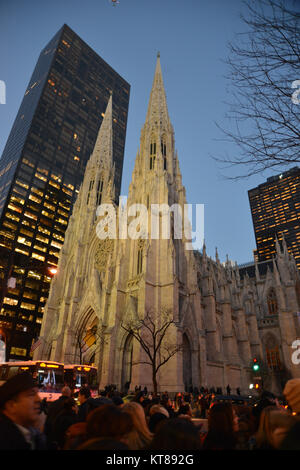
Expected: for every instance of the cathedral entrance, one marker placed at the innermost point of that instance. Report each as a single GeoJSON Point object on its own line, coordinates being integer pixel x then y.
{"type": "Point", "coordinates": [127, 363]}
{"type": "Point", "coordinates": [187, 364]}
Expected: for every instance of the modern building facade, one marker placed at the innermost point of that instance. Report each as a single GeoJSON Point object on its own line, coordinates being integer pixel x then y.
{"type": "Point", "coordinates": [275, 209]}
{"type": "Point", "coordinates": [41, 171]}
{"type": "Point", "coordinates": [222, 317]}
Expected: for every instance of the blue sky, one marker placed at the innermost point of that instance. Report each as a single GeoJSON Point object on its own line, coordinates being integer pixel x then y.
{"type": "Point", "coordinates": [192, 37]}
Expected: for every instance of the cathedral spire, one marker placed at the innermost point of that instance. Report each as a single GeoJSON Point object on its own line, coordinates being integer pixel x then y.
{"type": "Point", "coordinates": [157, 113]}
{"type": "Point", "coordinates": [103, 150]}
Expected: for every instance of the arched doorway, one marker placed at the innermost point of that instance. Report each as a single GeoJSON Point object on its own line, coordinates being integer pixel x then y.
{"type": "Point", "coordinates": [187, 364]}
{"type": "Point", "coordinates": [127, 363]}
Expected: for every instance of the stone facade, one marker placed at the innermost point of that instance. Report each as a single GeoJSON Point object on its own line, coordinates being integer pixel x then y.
{"type": "Point", "coordinates": [223, 315]}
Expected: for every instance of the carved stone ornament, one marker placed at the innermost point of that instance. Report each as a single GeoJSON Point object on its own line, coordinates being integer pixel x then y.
{"type": "Point", "coordinates": [104, 249]}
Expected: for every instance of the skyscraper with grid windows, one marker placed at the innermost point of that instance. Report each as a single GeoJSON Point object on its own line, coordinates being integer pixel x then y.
{"type": "Point", "coordinates": [41, 170]}
{"type": "Point", "coordinates": [275, 208]}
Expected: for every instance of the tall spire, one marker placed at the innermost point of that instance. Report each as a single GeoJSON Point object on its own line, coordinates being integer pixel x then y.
{"type": "Point", "coordinates": [103, 150]}
{"type": "Point", "coordinates": [157, 108]}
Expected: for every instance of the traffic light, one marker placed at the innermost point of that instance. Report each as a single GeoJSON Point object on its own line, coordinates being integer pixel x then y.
{"type": "Point", "coordinates": [255, 365]}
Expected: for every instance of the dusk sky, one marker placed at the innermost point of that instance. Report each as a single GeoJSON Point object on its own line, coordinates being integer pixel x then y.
{"type": "Point", "coordinates": [192, 37]}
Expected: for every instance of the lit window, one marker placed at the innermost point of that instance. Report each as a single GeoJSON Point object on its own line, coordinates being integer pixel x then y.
{"type": "Point", "coordinates": [18, 351]}
{"type": "Point", "coordinates": [9, 301]}
{"type": "Point", "coordinates": [39, 257]}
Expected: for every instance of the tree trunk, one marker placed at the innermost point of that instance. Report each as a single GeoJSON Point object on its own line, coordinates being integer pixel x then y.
{"type": "Point", "coordinates": [154, 381]}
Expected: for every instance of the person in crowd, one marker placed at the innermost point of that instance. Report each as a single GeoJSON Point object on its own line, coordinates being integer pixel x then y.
{"type": "Point", "coordinates": [292, 394]}
{"type": "Point", "coordinates": [75, 436]}
{"type": "Point", "coordinates": [267, 399]}
{"type": "Point", "coordinates": [155, 421]}
{"type": "Point", "coordinates": [85, 400]}
{"type": "Point", "coordinates": [139, 397]}
{"type": "Point", "coordinates": [222, 427]}
{"type": "Point", "coordinates": [65, 418]}
{"type": "Point", "coordinates": [140, 436]}
{"type": "Point", "coordinates": [176, 434]}
{"type": "Point", "coordinates": [158, 409]}
{"type": "Point", "coordinates": [109, 421]}
{"type": "Point", "coordinates": [204, 406]}
{"type": "Point", "coordinates": [53, 409]}
{"type": "Point", "coordinates": [117, 400]}
{"type": "Point", "coordinates": [185, 411]}
{"type": "Point", "coordinates": [19, 414]}
{"type": "Point", "coordinates": [167, 404]}
{"type": "Point", "coordinates": [247, 426]}
{"type": "Point", "coordinates": [273, 427]}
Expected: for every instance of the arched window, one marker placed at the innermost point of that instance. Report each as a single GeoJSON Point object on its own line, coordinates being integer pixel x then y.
{"type": "Point", "coordinates": [163, 147]}
{"type": "Point", "coordinates": [99, 192]}
{"type": "Point", "coordinates": [272, 352]}
{"type": "Point", "coordinates": [164, 151]}
{"type": "Point", "coordinates": [152, 155]}
{"type": "Point", "coordinates": [90, 189]}
{"type": "Point", "coordinates": [273, 358]}
{"type": "Point", "coordinates": [140, 261]}
{"type": "Point", "coordinates": [272, 302]}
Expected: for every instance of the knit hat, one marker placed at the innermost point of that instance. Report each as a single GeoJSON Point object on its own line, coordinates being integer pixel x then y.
{"type": "Point", "coordinates": [292, 394]}
{"type": "Point", "coordinates": [17, 384]}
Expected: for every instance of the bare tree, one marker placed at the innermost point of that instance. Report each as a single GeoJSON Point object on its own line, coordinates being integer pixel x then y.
{"type": "Point", "coordinates": [264, 72]}
{"type": "Point", "coordinates": [151, 334]}
{"type": "Point", "coordinates": [93, 335]}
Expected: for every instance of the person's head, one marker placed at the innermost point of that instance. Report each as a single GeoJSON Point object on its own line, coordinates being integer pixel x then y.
{"type": "Point", "coordinates": [185, 410]}
{"type": "Point", "coordinates": [176, 434]}
{"type": "Point", "coordinates": [140, 435]}
{"type": "Point", "coordinates": [70, 405]}
{"type": "Point", "coordinates": [19, 400]}
{"type": "Point", "coordinates": [158, 409]}
{"type": "Point", "coordinates": [108, 421]}
{"type": "Point", "coordinates": [273, 427]}
{"type": "Point", "coordinates": [83, 395]}
{"type": "Point", "coordinates": [117, 400]}
{"type": "Point", "coordinates": [222, 419]}
{"type": "Point", "coordinates": [155, 421]}
{"type": "Point", "coordinates": [292, 394]}
{"type": "Point", "coordinates": [66, 391]}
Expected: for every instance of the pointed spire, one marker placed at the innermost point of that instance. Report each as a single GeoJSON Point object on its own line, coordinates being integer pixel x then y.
{"type": "Point", "coordinates": [157, 108]}
{"type": "Point", "coordinates": [257, 275]}
{"type": "Point", "coordinates": [284, 245]}
{"type": "Point", "coordinates": [217, 256]}
{"type": "Point", "coordinates": [276, 273]}
{"type": "Point", "coordinates": [278, 250]}
{"type": "Point", "coordinates": [103, 151]}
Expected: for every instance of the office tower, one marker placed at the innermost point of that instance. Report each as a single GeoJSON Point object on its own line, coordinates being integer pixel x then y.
{"type": "Point", "coordinates": [275, 208]}
{"type": "Point", "coordinates": [41, 170]}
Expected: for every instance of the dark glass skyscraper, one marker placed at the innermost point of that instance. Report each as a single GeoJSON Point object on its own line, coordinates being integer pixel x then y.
{"type": "Point", "coordinates": [275, 208]}
{"type": "Point", "coordinates": [41, 169]}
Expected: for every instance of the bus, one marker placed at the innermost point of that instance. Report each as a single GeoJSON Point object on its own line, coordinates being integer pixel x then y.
{"type": "Point", "coordinates": [48, 374]}
{"type": "Point", "coordinates": [79, 375]}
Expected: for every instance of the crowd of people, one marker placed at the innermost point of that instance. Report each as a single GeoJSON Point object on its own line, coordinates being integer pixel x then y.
{"type": "Point", "coordinates": [145, 421]}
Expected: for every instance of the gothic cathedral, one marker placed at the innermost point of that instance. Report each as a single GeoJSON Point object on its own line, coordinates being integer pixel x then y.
{"type": "Point", "coordinates": [222, 316]}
